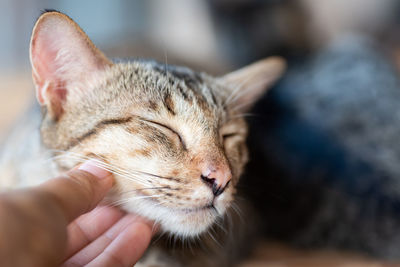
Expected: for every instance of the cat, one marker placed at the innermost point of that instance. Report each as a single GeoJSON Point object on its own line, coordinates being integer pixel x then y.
{"type": "Point", "coordinates": [173, 138]}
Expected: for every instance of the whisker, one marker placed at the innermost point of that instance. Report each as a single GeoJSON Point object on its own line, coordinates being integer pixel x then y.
{"type": "Point", "coordinates": [129, 199]}
{"type": "Point", "coordinates": [113, 171]}
{"type": "Point", "coordinates": [121, 170]}
{"type": "Point", "coordinates": [158, 238]}
{"type": "Point", "coordinates": [237, 210]}
{"type": "Point", "coordinates": [141, 177]}
{"type": "Point", "coordinates": [219, 223]}
{"type": "Point", "coordinates": [214, 239]}
{"type": "Point", "coordinates": [103, 165]}
{"type": "Point", "coordinates": [159, 203]}
{"type": "Point", "coordinates": [147, 188]}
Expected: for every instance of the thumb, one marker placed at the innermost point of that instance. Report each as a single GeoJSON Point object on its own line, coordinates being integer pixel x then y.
{"type": "Point", "coordinates": [79, 190]}
{"type": "Point", "coordinates": [34, 220]}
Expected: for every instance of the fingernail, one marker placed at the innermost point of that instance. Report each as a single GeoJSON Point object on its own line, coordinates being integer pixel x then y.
{"type": "Point", "coordinates": [90, 166]}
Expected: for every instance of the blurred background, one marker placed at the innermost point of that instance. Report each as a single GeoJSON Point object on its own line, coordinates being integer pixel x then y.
{"type": "Point", "coordinates": [230, 32]}
{"type": "Point", "coordinates": [329, 45]}
{"type": "Point", "coordinates": [214, 36]}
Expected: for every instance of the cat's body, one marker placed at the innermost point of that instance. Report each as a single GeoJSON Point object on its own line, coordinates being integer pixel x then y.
{"type": "Point", "coordinates": [23, 159]}
{"type": "Point", "coordinates": [327, 142]}
{"type": "Point", "coordinates": [173, 138]}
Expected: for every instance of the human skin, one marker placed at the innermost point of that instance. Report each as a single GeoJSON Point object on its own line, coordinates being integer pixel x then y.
{"type": "Point", "coordinates": [59, 223]}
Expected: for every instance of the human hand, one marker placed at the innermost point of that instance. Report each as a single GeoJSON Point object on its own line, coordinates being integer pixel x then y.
{"type": "Point", "coordinates": [39, 226]}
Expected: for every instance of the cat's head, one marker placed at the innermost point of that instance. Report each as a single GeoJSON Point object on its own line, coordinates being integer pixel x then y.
{"type": "Point", "coordinates": [174, 138]}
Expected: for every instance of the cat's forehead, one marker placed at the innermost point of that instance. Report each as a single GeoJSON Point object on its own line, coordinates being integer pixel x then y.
{"type": "Point", "coordinates": [155, 89]}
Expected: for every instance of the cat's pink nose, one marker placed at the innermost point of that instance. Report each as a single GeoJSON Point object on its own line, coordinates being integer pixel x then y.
{"type": "Point", "coordinates": [217, 178]}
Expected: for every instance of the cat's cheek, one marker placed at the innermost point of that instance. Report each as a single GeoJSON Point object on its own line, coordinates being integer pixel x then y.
{"type": "Point", "coordinates": [223, 202]}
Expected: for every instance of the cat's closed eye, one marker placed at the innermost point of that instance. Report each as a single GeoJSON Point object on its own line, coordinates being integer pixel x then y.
{"type": "Point", "coordinates": [165, 128]}
{"type": "Point", "coordinates": [229, 135]}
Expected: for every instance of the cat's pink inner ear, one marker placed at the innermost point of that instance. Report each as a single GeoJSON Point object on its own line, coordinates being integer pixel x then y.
{"type": "Point", "coordinates": [45, 69]}
{"type": "Point", "coordinates": [62, 57]}
{"type": "Point", "coordinates": [249, 83]}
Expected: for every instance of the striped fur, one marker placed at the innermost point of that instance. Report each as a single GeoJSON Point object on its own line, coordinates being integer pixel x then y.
{"type": "Point", "coordinates": [153, 125]}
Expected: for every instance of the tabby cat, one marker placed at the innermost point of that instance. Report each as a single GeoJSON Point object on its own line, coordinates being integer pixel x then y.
{"type": "Point", "coordinates": [174, 139]}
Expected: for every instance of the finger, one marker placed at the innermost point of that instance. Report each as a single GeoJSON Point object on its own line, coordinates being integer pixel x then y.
{"type": "Point", "coordinates": [78, 191]}
{"type": "Point", "coordinates": [32, 226]}
{"type": "Point", "coordinates": [95, 248]}
{"type": "Point", "coordinates": [90, 226]}
{"type": "Point", "coordinates": [37, 217]}
{"type": "Point", "coordinates": [127, 248]}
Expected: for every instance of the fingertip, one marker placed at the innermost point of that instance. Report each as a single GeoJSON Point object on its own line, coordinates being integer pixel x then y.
{"type": "Point", "coordinates": [130, 244]}
{"type": "Point", "coordinates": [79, 190]}
{"type": "Point", "coordinates": [127, 248]}
{"type": "Point", "coordinates": [95, 167]}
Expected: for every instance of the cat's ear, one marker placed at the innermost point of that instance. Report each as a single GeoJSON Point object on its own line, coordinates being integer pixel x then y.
{"type": "Point", "coordinates": [62, 56]}
{"type": "Point", "coordinates": [248, 84]}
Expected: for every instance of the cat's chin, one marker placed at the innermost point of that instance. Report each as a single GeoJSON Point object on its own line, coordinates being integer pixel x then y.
{"type": "Point", "coordinates": [179, 222]}
{"type": "Point", "coordinates": [189, 223]}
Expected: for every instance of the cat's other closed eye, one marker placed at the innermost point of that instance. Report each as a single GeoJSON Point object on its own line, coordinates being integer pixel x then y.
{"type": "Point", "coordinates": [229, 135]}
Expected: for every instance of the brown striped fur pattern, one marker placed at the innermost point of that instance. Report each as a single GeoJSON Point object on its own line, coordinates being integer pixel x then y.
{"type": "Point", "coordinates": [154, 130]}
{"type": "Point", "coordinates": [155, 126]}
